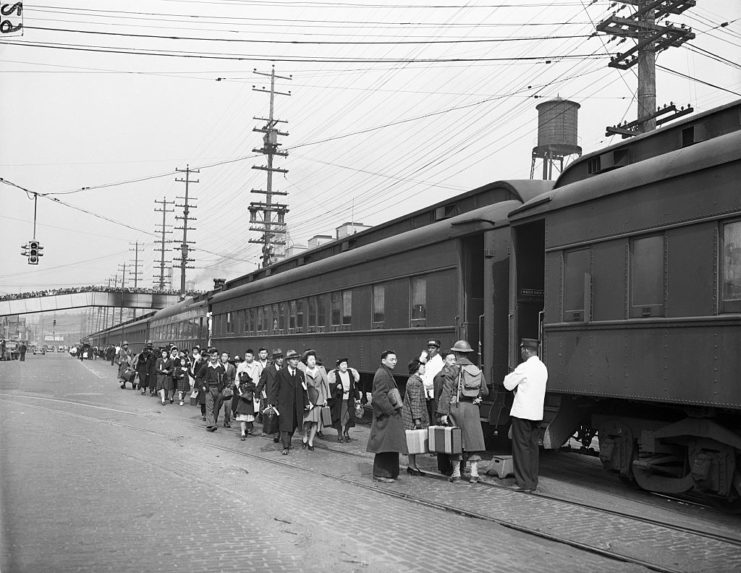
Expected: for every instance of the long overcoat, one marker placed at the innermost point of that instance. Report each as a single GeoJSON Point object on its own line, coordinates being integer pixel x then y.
{"type": "Point", "coordinates": [387, 429]}
{"type": "Point", "coordinates": [415, 404]}
{"type": "Point", "coordinates": [291, 399]}
{"type": "Point", "coordinates": [462, 411]}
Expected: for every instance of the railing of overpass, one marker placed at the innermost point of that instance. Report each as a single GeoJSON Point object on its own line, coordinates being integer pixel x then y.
{"type": "Point", "coordinates": [92, 288]}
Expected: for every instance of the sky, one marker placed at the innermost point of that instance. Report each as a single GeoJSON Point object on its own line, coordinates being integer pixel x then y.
{"type": "Point", "coordinates": [393, 106]}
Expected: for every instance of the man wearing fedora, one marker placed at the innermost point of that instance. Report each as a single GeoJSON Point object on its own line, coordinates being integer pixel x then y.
{"type": "Point", "coordinates": [290, 396]}
{"type": "Point", "coordinates": [528, 381]}
{"type": "Point", "coordinates": [266, 386]}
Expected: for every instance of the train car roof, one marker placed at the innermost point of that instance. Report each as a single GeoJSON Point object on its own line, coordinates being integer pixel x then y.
{"type": "Point", "coordinates": [713, 152]}
{"type": "Point", "coordinates": [519, 190]}
{"type": "Point", "coordinates": [179, 307]}
{"type": "Point", "coordinates": [478, 220]}
{"type": "Point", "coordinates": [677, 135]}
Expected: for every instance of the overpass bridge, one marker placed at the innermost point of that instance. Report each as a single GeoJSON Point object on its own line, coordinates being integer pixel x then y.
{"type": "Point", "coordinates": [31, 303]}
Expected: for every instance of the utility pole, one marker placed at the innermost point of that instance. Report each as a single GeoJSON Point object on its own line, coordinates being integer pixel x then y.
{"type": "Point", "coordinates": [137, 264]}
{"type": "Point", "coordinates": [651, 38]}
{"type": "Point", "coordinates": [273, 229]}
{"type": "Point", "coordinates": [184, 248]}
{"type": "Point", "coordinates": [122, 268]}
{"type": "Point", "coordinates": [164, 231]}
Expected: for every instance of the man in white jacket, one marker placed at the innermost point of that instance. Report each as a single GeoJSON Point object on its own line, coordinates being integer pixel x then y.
{"type": "Point", "coordinates": [528, 381]}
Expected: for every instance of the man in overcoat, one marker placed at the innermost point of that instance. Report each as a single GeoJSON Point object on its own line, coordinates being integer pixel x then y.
{"type": "Point", "coordinates": [291, 398]}
{"type": "Point", "coordinates": [123, 359]}
{"type": "Point", "coordinates": [266, 386]}
{"type": "Point", "coordinates": [387, 438]}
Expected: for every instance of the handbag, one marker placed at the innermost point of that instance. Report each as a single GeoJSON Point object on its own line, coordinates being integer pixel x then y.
{"type": "Point", "coordinates": [227, 392]}
{"type": "Point", "coordinates": [359, 410]}
{"type": "Point", "coordinates": [269, 421]}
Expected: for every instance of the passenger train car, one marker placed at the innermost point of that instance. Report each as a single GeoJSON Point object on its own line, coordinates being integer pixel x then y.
{"type": "Point", "coordinates": [628, 270]}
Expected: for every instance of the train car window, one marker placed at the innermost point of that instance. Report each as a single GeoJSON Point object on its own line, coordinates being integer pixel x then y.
{"type": "Point", "coordinates": [336, 305]}
{"type": "Point", "coordinates": [312, 313]}
{"type": "Point", "coordinates": [274, 316]}
{"type": "Point", "coordinates": [575, 269]}
{"type": "Point", "coordinates": [322, 307]}
{"type": "Point", "coordinates": [379, 306]}
{"type": "Point", "coordinates": [647, 277]}
{"type": "Point", "coordinates": [346, 307]}
{"type": "Point", "coordinates": [731, 277]}
{"type": "Point", "coordinates": [419, 301]}
{"type": "Point", "coordinates": [229, 322]}
{"type": "Point", "coordinates": [292, 316]}
{"type": "Point", "coordinates": [300, 305]}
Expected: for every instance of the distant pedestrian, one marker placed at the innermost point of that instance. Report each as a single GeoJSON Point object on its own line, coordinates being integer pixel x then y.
{"type": "Point", "coordinates": [344, 387]}
{"type": "Point", "coordinates": [197, 363]}
{"type": "Point", "coordinates": [164, 368]}
{"type": "Point", "coordinates": [528, 381]}
{"type": "Point", "coordinates": [318, 393]}
{"type": "Point", "coordinates": [211, 384]}
{"type": "Point", "coordinates": [459, 402]}
{"type": "Point", "coordinates": [387, 438]}
{"type": "Point", "coordinates": [262, 358]}
{"type": "Point", "coordinates": [266, 386]}
{"type": "Point", "coordinates": [180, 377]}
{"type": "Point", "coordinates": [290, 398]}
{"type": "Point", "coordinates": [170, 382]}
{"type": "Point", "coordinates": [144, 366]}
{"type": "Point", "coordinates": [230, 374]}
{"type": "Point", "coordinates": [414, 412]}
{"type": "Point", "coordinates": [22, 350]}
{"type": "Point", "coordinates": [244, 398]}
{"type": "Point", "coordinates": [123, 359]}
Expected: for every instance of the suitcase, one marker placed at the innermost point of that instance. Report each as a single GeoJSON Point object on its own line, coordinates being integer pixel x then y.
{"type": "Point", "coordinates": [269, 421]}
{"type": "Point", "coordinates": [327, 416]}
{"type": "Point", "coordinates": [417, 441]}
{"type": "Point", "coordinates": [445, 439]}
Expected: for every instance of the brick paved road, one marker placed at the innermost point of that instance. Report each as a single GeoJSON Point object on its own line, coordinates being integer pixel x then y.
{"type": "Point", "coordinates": [120, 483]}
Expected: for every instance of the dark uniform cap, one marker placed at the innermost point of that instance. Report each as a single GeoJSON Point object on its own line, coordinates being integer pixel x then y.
{"type": "Point", "coordinates": [461, 346]}
{"type": "Point", "coordinates": [530, 343]}
{"type": "Point", "coordinates": [277, 353]}
{"type": "Point", "coordinates": [292, 354]}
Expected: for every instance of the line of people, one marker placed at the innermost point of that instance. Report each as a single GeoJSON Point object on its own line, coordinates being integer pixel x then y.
{"type": "Point", "coordinates": [295, 392]}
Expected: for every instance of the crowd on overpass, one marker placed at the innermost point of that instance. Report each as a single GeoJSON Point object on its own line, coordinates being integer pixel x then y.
{"type": "Point", "coordinates": [90, 288]}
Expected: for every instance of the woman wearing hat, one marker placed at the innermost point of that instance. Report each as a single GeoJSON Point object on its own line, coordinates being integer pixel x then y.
{"type": "Point", "coordinates": [459, 405]}
{"type": "Point", "coordinates": [343, 384]}
{"type": "Point", "coordinates": [164, 369]}
{"type": "Point", "coordinates": [318, 389]}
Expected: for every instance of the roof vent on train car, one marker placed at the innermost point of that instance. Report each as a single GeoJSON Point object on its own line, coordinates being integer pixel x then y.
{"type": "Point", "coordinates": [609, 160]}
{"type": "Point", "coordinates": [219, 284]}
{"type": "Point", "coordinates": [693, 134]}
{"type": "Point", "coordinates": [445, 212]}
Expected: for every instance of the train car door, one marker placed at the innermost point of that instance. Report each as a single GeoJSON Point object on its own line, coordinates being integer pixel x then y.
{"type": "Point", "coordinates": [526, 293]}
{"type": "Point", "coordinates": [472, 290]}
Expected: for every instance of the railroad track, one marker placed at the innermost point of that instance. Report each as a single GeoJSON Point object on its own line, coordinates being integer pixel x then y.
{"type": "Point", "coordinates": [213, 440]}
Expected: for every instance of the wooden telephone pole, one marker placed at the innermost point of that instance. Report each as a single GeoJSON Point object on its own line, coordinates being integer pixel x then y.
{"type": "Point", "coordinates": [651, 37]}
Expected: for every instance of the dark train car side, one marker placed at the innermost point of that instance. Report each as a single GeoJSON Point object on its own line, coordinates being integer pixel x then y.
{"type": "Point", "coordinates": [635, 261]}
{"type": "Point", "coordinates": [394, 292]}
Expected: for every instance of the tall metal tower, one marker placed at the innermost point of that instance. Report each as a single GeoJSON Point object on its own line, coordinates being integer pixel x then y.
{"type": "Point", "coordinates": [273, 229]}
{"type": "Point", "coordinates": [651, 38]}
{"type": "Point", "coordinates": [163, 230]}
{"type": "Point", "coordinates": [122, 268]}
{"type": "Point", "coordinates": [185, 218]}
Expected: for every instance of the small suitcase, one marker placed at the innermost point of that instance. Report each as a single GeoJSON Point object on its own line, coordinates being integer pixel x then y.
{"type": "Point", "coordinates": [445, 439]}
{"type": "Point", "coordinates": [269, 421]}
{"type": "Point", "coordinates": [417, 441]}
{"type": "Point", "coordinates": [326, 416]}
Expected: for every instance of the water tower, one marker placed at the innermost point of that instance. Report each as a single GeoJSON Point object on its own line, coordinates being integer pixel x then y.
{"type": "Point", "coordinates": [557, 132]}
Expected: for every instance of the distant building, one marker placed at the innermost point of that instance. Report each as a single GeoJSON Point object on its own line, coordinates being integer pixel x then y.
{"type": "Point", "coordinates": [350, 229]}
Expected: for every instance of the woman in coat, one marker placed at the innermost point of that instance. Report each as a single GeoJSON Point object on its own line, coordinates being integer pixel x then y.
{"type": "Point", "coordinates": [180, 376]}
{"type": "Point", "coordinates": [317, 387]}
{"type": "Point", "coordinates": [164, 371]}
{"type": "Point", "coordinates": [244, 395]}
{"type": "Point", "coordinates": [462, 410]}
{"type": "Point", "coordinates": [170, 383]}
{"type": "Point", "coordinates": [343, 384]}
{"type": "Point", "coordinates": [387, 438]}
{"type": "Point", "coordinates": [414, 413]}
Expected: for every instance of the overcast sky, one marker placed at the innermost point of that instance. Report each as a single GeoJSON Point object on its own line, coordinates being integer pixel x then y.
{"type": "Point", "coordinates": [393, 106]}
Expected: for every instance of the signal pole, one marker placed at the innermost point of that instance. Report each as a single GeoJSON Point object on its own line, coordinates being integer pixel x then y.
{"type": "Point", "coordinates": [184, 249]}
{"type": "Point", "coordinates": [651, 38]}
{"type": "Point", "coordinates": [164, 231]}
{"type": "Point", "coordinates": [122, 268]}
{"type": "Point", "coordinates": [137, 264]}
{"type": "Point", "coordinates": [273, 230]}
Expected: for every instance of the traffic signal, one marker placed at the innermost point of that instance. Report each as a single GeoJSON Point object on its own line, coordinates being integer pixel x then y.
{"type": "Point", "coordinates": [34, 252]}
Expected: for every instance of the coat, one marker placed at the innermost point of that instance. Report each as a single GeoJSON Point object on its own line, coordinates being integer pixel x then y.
{"type": "Point", "coordinates": [244, 405]}
{"type": "Point", "coordinates": [463, 413]}
{"type": "Point", "coordinates": [336, 392]}
{"type": "Point", "coordinates": [266, 385]}
{"type": "Point", "coordinates": [318, 392]}
{"type": "Point", "coordinates": [291, 399]}
{"type": "Point", "coordinates": [196, 372]}
{"type": "Point", "coordinates": [415, 404]}
{"type": "Point", "coordinates": [387, 429]}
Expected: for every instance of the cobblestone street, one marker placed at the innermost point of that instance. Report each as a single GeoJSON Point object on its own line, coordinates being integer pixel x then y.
{"type": "Point", "coordinates": [95, 478]}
